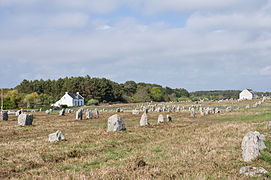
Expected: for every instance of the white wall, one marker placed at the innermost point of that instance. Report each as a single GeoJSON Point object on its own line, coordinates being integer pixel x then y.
{"type": "Point", "coordinates": [245, 94]}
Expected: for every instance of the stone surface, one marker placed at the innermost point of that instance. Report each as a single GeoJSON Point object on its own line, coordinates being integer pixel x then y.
{"type": "Point", "coordinates": [96, 114]}
{"type": "Point", "coordinates": [252, 143]}
{"type": "Point", "coordinates": [229, 109]}
{"type": "Point", "coordinates": [25, 119]}
{"type": "Point", "coordinates": [47, 112]}
{"type": "Point", "coordinates": [4, 115]}
{"type": "Point", "coordinates": [62, 112]}
{"type": "Point", "coordinates": [252, 171]}
{"type": "Point", "coordinates": [115, 123]}
{"type": "Point", "coordinates": [18, 112]}
{"type": "Point", "coordinates": [89, 115]}
{"type": "Point", "coordinates": [79, 114]}
{"type": "Point", "coordinates": [57, 136]}
{"type": "Point", "coordinates": [161, 118]}
{"type": "Point", "coordinates": [144, 120]}
{"type": "Point", "coordinates": [192, 112]}
{"type": "Point", "coordinates": [169, 119]}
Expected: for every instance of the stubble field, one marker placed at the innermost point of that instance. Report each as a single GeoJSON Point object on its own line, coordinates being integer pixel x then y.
{"type": "Point", "coordinates": [206, 147]}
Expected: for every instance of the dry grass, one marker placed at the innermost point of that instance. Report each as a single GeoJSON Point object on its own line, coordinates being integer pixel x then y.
{"type": "Point", "coordinates": [189, 148]}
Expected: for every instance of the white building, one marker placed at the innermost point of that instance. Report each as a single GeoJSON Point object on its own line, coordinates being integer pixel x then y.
{"type": "Point", "coordinates": [70, 100]}
{"type": "Point", "coordinates": [248, 94]}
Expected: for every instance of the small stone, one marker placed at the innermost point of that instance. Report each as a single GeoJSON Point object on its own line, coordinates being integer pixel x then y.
{"type": "Point", "coordinates": [115, 123]}
{"type": "Point", "coordinates": [79, 114]}
{"type": "Point", "coordinates": [25, 119]}
{"type": "Point", "coordinates": [4, 115]}
{"type": "Point", "coordinates": [169, 118]}
{"type": "Point", "coordinates": [144, 120]}
{"type": "Point", "coordinates": [62, 112]}
{"type": "Point", "coordinates": [47, 111]}
{"type": "Point", "coordinates": [57, 136]}
{"type": "Point", "coordinates": [253, 171]}
{"type": "Point", "coordinates": [89, 115]}
{"type": "Point", "coordinates": [161, 118]}
{"type": "Point", "coordinates": [96, 114]}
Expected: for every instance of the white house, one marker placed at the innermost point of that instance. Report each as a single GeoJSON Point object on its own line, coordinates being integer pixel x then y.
{"type": "Point", "coordinates": [248, 94]}
{"type": "Point", "coordinates": [70, 100]}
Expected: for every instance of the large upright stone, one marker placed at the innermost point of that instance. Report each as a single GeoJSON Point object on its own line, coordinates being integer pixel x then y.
{"type": "Point", "coordinates": [144, 120]}
{"type": "Point", "coordinates": [4, 116]}
{"type": "Point", "coordinates": [161, 118]}
{"type": "Point", "coordinates": [62, 112]}
{"type": "Point", "coordinates": [25, 119]}
{"type": "Point", "coordinates": [252, 143]}
{"type": "Point", "coordinates": [57, 136]}
{"type": "Point", "coordinates": [115, 123]}
{"type": "Point", "coordinates": [79, 114]}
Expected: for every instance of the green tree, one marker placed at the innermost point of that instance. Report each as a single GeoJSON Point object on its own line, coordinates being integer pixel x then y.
{"type": "Point", "coordinates": [156, 94]}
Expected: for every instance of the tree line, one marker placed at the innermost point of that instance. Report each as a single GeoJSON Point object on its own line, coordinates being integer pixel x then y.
{"type": "Point", "coordinates": [101, 90]}
{"type": "Point", "coordinates": [45, 92]}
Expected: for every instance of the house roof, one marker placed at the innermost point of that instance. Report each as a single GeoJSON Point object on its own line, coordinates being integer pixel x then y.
{"type": "Point", "coordinates": [250, 90]}
{"type": "Point", "coordinates": [75, 96]}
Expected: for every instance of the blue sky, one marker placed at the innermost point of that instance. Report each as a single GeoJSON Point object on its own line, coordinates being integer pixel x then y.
{"type": "Point", "coordinates": [192, 44]}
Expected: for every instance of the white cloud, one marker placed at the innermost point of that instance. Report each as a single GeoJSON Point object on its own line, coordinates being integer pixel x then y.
{"type": "Point", "coordinates": [266, 71]}
{"type": "Point", "coordinates": [69, 20]}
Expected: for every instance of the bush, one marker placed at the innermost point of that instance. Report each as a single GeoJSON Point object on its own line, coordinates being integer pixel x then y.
{"type": "Point", "coordinates": [93, 102]}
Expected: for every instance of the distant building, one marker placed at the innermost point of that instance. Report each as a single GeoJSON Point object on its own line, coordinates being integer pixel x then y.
{"type": "Point", "coordinates": [247, 94]}
{"type": "Point", "coordinates": [70, 100]}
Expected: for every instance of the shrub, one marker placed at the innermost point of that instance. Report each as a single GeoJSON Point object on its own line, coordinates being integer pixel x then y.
{"type": "Point", "coordinates": [93, 102]}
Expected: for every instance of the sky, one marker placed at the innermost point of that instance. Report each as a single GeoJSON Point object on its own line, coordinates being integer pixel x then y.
{"type": "Point", "coordinates": [191, 44]}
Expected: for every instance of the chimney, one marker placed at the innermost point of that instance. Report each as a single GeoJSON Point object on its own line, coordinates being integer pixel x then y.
{"type": "Point", "coordinates": [66, 92]}
{"type": "Point", "coordinates": [77, 93]}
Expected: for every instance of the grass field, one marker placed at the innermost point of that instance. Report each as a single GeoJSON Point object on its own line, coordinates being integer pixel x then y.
{"type": "Point", "coordinates": [189, 148]}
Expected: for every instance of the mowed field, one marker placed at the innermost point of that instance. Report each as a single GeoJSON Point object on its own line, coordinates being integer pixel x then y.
{"type": "Point", "coordinates": [206, 147]}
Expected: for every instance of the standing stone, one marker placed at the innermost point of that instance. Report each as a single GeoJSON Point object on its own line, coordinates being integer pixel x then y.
{"type": "Point", "coordinates": [57, 136]}
{"type": "Point", "coordinates": [18, 112]}
{"type": "Point", "coordinates": [247, 106]}
{"type": "Point", "coordinates": [229, 109]}
{"type": "Point", "coordinates": [161, 118]}
{"type": "Point", "coordinates": [79, 114]}
{"type": "Point", "coordinates": [4, 116]}
{"type": "Point", "coordinates": [25, 119]}
{"type": "Point", "coordinates": [62, 112]}
{"type": "Point", "coordinates": [89, 115]}
{"type": "Point", "coordinates": [192, 112]}
{"type": "Point", "coordinates": [96, 113]}
{"type": "Point", "coordinates": [178, 109]}
{"type": "Point", "coordinates": [169, 119]}
{"type": "Point", "coordinates": [252, 143]}
{"type": "Point", "coordinates": [47, 112]}
{"type": "Point", "coordinates": [144, 120]}
{"type": "Point", "coordinates": [115, 123]}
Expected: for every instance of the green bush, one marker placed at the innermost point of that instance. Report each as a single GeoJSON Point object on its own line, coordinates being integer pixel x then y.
{"type": "Point", "coordinates": [93, 102]}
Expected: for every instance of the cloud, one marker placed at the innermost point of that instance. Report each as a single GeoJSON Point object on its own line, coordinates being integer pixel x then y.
{"type": "Point", "coordinates": [266, 71]}
{"type": "Point", "coordinates": [69, 20]}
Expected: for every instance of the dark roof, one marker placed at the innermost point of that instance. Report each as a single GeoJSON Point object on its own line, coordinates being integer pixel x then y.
{"type": "Point", "coordinates": [250, 90]}
{"type": "Point", "coordinates": [75, 96]}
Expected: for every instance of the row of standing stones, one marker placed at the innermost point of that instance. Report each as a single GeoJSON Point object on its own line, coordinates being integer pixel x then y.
{"type": "Point", "coordinates": [252, 143]}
